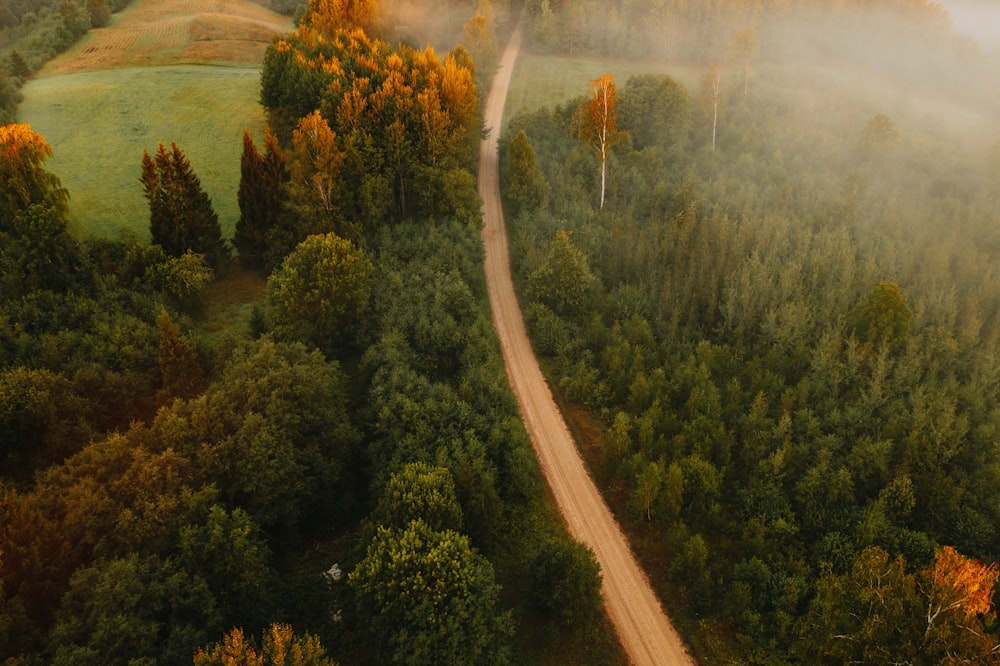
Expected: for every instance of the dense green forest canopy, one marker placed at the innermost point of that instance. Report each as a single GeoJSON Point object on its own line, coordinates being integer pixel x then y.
{"type": "Point", "coordinates": [790, 340]}
{"type": "Point", "coordinates": [791, 337]}
{"type": "Point", "coordinates": [168, 495]}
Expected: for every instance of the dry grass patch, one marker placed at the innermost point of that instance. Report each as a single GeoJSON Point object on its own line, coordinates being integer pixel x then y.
{"type": "Point", "coordinates": [171, 32]}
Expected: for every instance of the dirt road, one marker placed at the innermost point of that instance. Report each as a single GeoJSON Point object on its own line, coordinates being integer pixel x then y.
{"type": "Point", "coordinates": [642, 626]}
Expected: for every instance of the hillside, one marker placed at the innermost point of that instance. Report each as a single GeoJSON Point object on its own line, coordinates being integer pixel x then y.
{"type": "Point", "coordinates": [144, 80]}
{"type": "Point", "coordinates": [170, 32]}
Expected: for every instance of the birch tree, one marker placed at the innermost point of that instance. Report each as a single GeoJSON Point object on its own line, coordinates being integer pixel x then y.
{"type": "Point", "coordinates": [599, 123]}
{"type": "Point", "coordinates": [713, 92]}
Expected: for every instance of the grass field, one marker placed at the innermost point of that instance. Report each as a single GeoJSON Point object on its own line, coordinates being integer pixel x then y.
{"type": "Point", "coordinates": [184, 71]}
{"type": "Point", "coordinates": [542, 80]}
{"type": "Point", "coordinates": [99, 122]}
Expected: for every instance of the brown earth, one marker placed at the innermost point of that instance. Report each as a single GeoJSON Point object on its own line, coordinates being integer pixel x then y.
{"type": "Point", "coordinates": [174, 32]}
{"type": "Point", "coordinates": [643, 628]}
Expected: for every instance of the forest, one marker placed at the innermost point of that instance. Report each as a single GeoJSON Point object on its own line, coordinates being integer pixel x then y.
{"type": "Point", "coordinates": [783, 313]}
{"type": "Point", "coordinates": [771, 296]}
{"type": "Point", "coordinates": [344, 480]}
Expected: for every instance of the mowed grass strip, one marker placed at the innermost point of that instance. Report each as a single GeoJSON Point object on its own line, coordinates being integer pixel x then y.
{"type": "Point", "coordinates": [99, 122]}
{"type": "Point", "coordinates": [546, 80]}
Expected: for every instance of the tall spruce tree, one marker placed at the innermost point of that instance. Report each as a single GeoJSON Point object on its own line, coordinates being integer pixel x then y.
{"type": "Point", "coordinates": [181, 216]}
{"type": "Point", "coordinates": [261, 197]}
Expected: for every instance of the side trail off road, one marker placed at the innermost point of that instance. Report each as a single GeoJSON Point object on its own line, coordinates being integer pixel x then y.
{"type": "Point", "coordinates": [642, 626]}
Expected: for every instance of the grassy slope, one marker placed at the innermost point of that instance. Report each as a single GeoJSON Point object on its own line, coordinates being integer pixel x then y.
{"type": "Point", "coordinates": [99, 122]}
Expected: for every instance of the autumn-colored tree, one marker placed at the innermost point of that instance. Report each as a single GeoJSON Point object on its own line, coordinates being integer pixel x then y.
{"type": "Point", "coordinates": [281, 647]}
{"type": "Point", "coordinates": [23, 180]}
{"type": "Point", "coordinates": [260, 197]}
{"type": "Point", "coordinates": [480, 38]}
{"type": "Point", "coordinates": [328, 16]}
{"type": "Point", "coordinates": [599, 122]}
{"type": "Point", "coordinates": [316, 185]}
{"type": "Point", "coordinates": [960, 585]}
{"type": "Point", "coordinates": [180, 374]}
{"type": "Point", "coordinates": [712, 85]}
{"type": "Point", "coordinates": [397, 122]}
{"type": "Point", "coordinates": [877, 613]}
{"type": "Point", "coordinates": [181, 216]}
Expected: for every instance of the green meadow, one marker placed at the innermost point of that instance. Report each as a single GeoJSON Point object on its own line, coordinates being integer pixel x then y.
{"type": "Point", "coordinates": [98, 123]}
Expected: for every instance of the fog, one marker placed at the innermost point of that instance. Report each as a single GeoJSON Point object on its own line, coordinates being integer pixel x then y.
{"type": "Point", "coordinates": [978, 19]}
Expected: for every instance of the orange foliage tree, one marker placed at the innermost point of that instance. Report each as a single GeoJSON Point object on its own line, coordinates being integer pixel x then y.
{"type": "Point", "coordinates": [329, 16]}
{"type": "Point", "coordinates": [960, 585]}
{"type": "Point", "coordinates": [403, 119]}
{"type": "Point", "coordinates": [599, 122]}
{"type": "Point", "coordinates": [23, 181]}
{"type": "Point", "coordinates": [880, 613]}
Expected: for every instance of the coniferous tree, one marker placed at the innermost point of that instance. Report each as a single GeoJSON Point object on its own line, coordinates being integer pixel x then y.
{"type": "Point", "coordinates": [261, 196]}
{"type": "Point", "coordinates": [526, 188]}
{"type": "Point", "coordinates": [181, 216]}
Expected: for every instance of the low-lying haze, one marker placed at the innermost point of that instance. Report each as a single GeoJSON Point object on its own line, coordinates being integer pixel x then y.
{"type": "Point", "coordinates": [979, 19]}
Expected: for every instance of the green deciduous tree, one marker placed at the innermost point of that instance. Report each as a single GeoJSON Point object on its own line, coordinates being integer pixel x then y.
{"type": "Point", "coordinates": [320, 290]}
{"type": "Point", "coordinates": [132, 610]}
{"type": "Point", "coordinates": [274, 434]}
{"type": "Point", "coordinates": [227, 550]}
{"type": "Point", "coordinates": [181, 216]}
{"type": "Point", "coordinates": [43, 254]}
{"type": "Point", "coordinates": [566, 582]}
{"type": "Point", "coordinates": [431, 598]}
{"type": "Point", "coordinates": [657, 111]}
{"type": "Point", "coordinates": [181, 278]}
{"type": "Point", "coordinates": [712, 87]}
{"type": "Point", "coordinates": [419, 492]}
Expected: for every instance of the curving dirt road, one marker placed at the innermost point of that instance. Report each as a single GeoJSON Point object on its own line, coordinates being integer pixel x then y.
{"type": "Point", "coordinates": [642, 626]}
